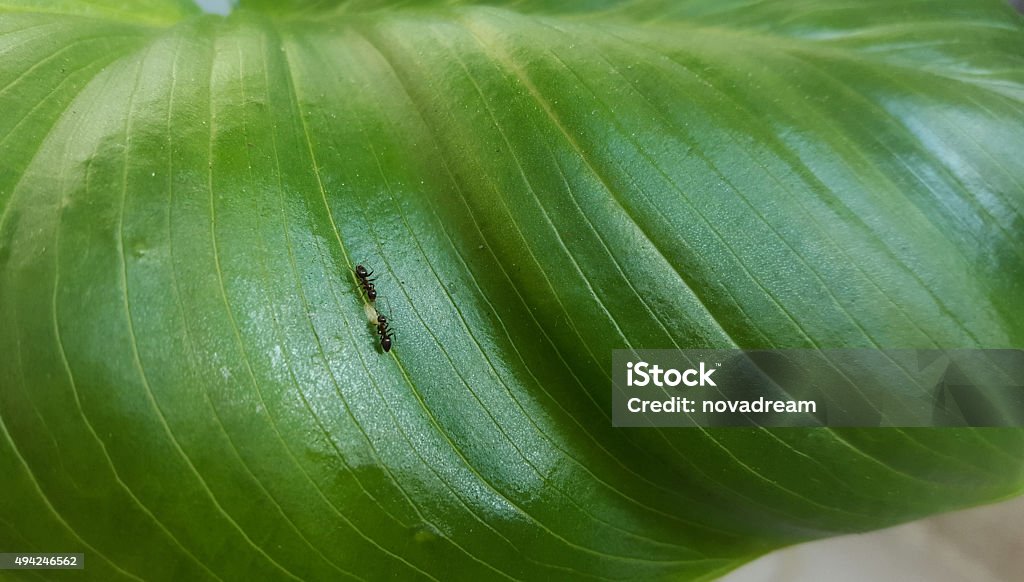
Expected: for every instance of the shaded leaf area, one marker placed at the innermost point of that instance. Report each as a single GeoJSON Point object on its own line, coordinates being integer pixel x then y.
{"type": "Point", "coordinates": [190, 389]}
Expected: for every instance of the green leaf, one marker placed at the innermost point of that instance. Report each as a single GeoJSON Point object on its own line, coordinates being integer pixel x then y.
{"type": "Point", "coordinates": [189, 388]}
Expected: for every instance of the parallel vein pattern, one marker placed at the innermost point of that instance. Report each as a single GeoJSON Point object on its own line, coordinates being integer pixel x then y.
{"type": "Point", "coordinates": [188, 385]}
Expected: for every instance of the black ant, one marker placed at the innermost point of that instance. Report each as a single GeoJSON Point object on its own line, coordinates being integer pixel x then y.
{"type": "Point", "coordinates": [364, 279]}
{"type": "Point", "coordinates": [385, 333]}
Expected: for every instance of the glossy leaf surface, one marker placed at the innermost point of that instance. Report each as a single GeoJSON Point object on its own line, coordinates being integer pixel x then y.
{"type": "Point", "coordinates": [189, 389]}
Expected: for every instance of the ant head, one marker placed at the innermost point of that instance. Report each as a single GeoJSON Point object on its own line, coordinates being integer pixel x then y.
{"type": "Point", "coordinates": [361, 271]}
{"type": "Point", "coordinates": [382, 319]}
{"type": "Point", "coordinates": [371, 293]}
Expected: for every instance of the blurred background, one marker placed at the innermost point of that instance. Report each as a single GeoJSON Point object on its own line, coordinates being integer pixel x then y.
{"type": "Point", "coordinates": [984, 544]}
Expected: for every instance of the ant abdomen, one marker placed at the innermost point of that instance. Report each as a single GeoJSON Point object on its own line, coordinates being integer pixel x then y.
{"type": "Point", "coordinates": [385, 332]}
{"type": "Point", "coordinates": [366, 282]}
